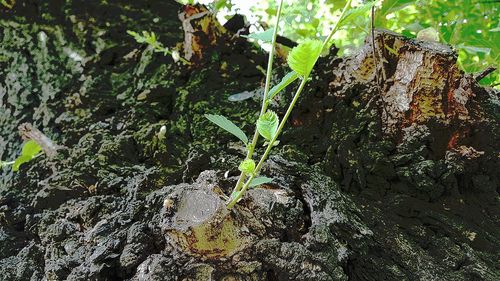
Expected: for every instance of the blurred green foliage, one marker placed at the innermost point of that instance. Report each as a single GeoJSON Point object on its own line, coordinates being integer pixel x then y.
{"type": "Point", "coordinates": [472, 27]}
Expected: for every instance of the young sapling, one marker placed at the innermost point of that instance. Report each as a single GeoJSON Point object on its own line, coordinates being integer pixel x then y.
{"type": "Point", "coordinates": [301, 60]}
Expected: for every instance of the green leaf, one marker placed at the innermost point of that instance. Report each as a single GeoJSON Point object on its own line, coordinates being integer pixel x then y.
{"type": "Point", "coordinates": [473, 49]}
{"type": "Point", "coordinates": [355, 12]}
{"type": "Point", "coordinates": [260, 180]}
{"type": "Point", "coordinates": [222, 4]}
{"type": "Point", "coordinates": [146, 37]}
{"type": "Point", "coordinates": [303, 57]}
{"type": "Point", "coordinates": [266, 36]}
{"type": "Point", "coordinates": [19, 161]}
{"type": "Point", "coordinates": [267, 125]}
{"type": "Point", "coordinates": [391, 6]}
{"type": "Point", "coordinates": [285, 81]}
{"type": "Point", "coordinates": [132, 33]}
{"type": "Point", "coordinates": [149, 37]}
{"type": "Point", "coordinates": [31, 148]}
{"type": "Point", "coordinates": [227, 125]}
{"type": "Point", "coordinates": [247, 166]}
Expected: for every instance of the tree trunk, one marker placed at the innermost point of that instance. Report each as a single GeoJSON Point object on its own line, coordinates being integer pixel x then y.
{"type": "Point", "coordinates": [387, 170]}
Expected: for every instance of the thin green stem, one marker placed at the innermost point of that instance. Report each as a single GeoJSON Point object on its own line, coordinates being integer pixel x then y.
{"type": "Point", "coordinates": [185, 61]}
{"type": "Point", "coordinates": [269, 146]}
{"type": "Point", "coordinates": [282, 124]}
{"type": "Point", "coordinates": [7, 163]}
{"type": "Point", "coordinates": [267, 86]}
{"type": "Point", "coordinates": [240, 191]}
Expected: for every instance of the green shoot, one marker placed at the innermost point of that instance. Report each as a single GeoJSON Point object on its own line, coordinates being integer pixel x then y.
{"type": "Point", "coordinates": [227, 125]}
{"type": "Point", "coordinates": [30, 150]}
{"type": "Point", "coordinates": [267, 125]}
{"type": "Point", "coordinates": [265, 101]}
{"type": "Point", "coordinates": [301, 60]}
{"type": "Point", "coordinates": [247, 166]}
{"type": "Point", "coordinates": [151, 39]}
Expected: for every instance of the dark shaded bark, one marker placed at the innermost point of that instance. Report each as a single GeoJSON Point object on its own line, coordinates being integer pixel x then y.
{"type": "Point", "coordinates": [388, 174]}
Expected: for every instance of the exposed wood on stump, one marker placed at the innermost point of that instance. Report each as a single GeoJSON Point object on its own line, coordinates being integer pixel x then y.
{"type": "Point", "coordinates": [423, 85]}
{"type": "Point", "coordinates": [28, 132]}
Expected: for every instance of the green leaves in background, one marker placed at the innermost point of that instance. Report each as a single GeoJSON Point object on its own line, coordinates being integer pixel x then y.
{"type": "Point", "coordinates": [351, 14]}
{"type": "Point", "coordinates": [303, 57]}
{"type": "Point", "coordinates": [472, 27]}
{"type": "Point", "coordinates": [30, 150]}
{"type": "Point", "coordinates": [391, 6]}
{"type": "Point", "coordinates": [227, 125]}
{"type": "Point", "coordinates": [285, 81]}
{"type": "Point", "coordinates": [267, 125]}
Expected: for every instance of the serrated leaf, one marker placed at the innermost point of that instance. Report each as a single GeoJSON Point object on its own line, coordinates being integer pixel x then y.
{"type": "Point", "coordinates": [266, 36]}
{"type": "Point", "coordinates": [260, 180]}
{"type": "Point", "coordinates": [303, 57]}
{"type": "Point", "coordinates": [285, 81]}
{"type": "Point", "coordinates": [227, 125]}
{"type": "Point", "coordinates": [267, 125]}
{"type": "Point", "coordinates": [31, 148]}
{"type": "Point", "coordinates": [247, 166]}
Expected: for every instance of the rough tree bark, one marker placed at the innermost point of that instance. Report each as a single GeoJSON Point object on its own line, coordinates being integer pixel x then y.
{"type": "Point", "coordinates": [381, 174]}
